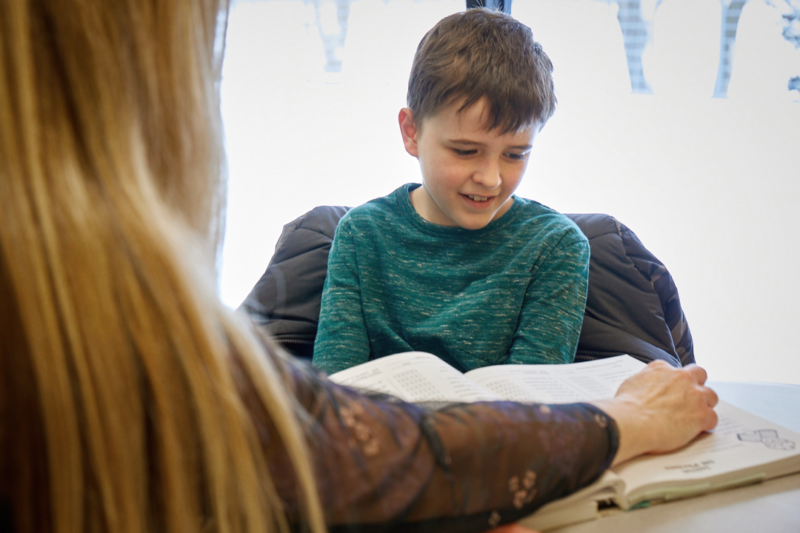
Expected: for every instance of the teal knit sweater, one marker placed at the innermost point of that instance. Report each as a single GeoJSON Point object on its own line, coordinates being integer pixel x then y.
{"type": "Point", "coordinates": [511, 292]}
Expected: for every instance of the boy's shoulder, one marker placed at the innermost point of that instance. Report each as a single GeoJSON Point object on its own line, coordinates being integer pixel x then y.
{"type": "Point", "coordinates": [383, 210]}
{"type": "Point", "coordinates": [545, 219]}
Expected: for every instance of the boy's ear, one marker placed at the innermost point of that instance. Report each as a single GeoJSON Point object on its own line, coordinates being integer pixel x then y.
{"type": "Point", "coordinates": [408, 129]}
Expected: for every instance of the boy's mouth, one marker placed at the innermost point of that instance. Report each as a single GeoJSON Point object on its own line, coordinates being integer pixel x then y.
{"type": "Point", "coordinates": [477, 198]}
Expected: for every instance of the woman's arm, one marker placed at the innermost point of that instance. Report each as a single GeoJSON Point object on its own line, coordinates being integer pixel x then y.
{"type": "Point", "coordinates": [383, 464]}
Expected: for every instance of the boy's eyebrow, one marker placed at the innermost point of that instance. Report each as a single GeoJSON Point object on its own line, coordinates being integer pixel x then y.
{"type": "Point", "coordinates": [467, 142]}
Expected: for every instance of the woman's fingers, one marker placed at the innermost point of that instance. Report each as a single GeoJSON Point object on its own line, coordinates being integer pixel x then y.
{"type": "Point", "coordinates": [698, 373]}
{"type": "Point", "coordinates": [711, 420]}
{"type": "Point", "coordinates": [700, 376]}
{"type": "Point", "coordinates": [711, 397]}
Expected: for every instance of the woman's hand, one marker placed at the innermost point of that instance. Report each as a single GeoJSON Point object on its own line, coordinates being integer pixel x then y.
{"type": "Point", "coordinates": [660, 409]}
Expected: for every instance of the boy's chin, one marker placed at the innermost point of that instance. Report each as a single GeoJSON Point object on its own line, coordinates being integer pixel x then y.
{"type": "Point", "coordinates": [473, 223]}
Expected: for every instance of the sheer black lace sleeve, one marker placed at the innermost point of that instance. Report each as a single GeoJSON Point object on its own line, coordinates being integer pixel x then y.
{"type": "Point", "coordinates": [385, 465]}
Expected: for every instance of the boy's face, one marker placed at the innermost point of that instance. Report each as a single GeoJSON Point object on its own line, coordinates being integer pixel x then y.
{"type": "Point", "coordinates": [468, 173]}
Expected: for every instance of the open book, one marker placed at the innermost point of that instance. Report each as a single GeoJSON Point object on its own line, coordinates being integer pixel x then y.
{"type": "Point", "coordinates": [743, 448]}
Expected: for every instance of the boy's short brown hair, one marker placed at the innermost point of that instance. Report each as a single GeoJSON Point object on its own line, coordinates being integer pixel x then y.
{"type": "Point", "coordinates": [477, 54]}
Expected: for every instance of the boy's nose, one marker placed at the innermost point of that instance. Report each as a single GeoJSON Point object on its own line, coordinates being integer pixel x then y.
{"type": "Point", "coordinates": [488, 175]}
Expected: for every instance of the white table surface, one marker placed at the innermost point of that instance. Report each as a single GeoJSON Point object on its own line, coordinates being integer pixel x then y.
{"type": "Point", "coordinates": [771, 507]}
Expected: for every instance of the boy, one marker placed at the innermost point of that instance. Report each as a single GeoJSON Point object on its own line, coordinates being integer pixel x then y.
{"type": "Point", "coordinates": [459, 266]}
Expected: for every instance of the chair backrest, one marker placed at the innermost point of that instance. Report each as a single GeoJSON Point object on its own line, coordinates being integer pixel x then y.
{"type": "Point", "coordinates": [632, 305]}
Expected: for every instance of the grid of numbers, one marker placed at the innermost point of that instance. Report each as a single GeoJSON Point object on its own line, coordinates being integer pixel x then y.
{"type": "Point", "coordinates": [596, 389]}
{"type": "Point", "coordinates": [508, 391]}
{"type": "Point", "coordinates": [417, 385]}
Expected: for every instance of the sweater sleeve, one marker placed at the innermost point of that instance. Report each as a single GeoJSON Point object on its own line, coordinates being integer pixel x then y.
{"type": "Point", "coordinates": [384, 465]}
{"type": "Point", "coordinates": [342, 340]}
{"type": "Point", "coordinates": [553, 306]}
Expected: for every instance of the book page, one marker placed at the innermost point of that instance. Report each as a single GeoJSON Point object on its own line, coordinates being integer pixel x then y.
{"type": "Point", "coordinates": [414, 377]}
{"type": "Point", "coordinates": [580, 382]}
{"type": "Point", "coordinates": [579, 506]}
{"type": "Point", "coordinates": [742, 448]}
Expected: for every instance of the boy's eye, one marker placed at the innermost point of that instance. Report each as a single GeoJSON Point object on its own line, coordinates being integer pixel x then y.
{"type": "Point", "coordinates": [517, 156]}
{"type": "Point", "coordinates": [464, 152]}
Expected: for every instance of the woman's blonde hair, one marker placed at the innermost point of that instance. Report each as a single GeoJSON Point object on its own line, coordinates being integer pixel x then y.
{"type": "Point", "coordinates": [120, 371]}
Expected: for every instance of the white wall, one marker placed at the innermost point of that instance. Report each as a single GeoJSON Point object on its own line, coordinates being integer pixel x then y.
{"type": "Point", "coordinates": [709, 185]}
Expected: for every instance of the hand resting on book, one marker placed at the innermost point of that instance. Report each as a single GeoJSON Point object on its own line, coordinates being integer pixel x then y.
{"type": "Point", "coordinates": [660, 409]}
